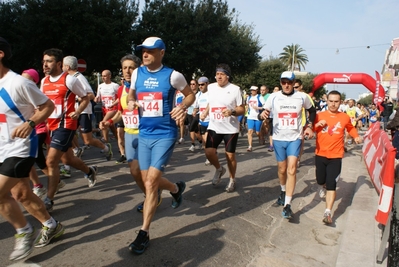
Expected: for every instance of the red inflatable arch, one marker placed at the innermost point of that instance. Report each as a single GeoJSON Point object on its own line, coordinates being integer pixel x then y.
{"type": "Point", "coordinates": [352, 78]}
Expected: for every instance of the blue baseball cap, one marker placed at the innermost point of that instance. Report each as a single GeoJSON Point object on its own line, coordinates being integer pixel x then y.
{"type": "Point", "coordinates": [287, 75]}
{"type": "Point", "coordinates": [152, 43]}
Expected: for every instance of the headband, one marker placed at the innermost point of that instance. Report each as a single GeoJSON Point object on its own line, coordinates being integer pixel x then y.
{"type": "Point", "coordinates": [223, 70]}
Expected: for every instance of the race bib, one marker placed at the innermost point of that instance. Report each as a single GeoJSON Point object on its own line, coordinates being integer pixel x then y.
{"type": "Point", "coordinates": [131, 118]}
{"type": "Point", "coordinates": [288, 120]}
{"type": "Point", "coordinates": [107, 101]}
{"type": "Point", "coordinates": [151, 104]}
{"type": "Point", "coordinates": [57, 109]}
{"type": "Point", "coordinates": [216, 114]}
{"type": "Point", "coordinates": [373, 119]}
{"type": "Point", "coordinates": [4, 133]}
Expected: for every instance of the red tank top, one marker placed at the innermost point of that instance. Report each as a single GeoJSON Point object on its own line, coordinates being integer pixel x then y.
{"type": "Point", "coordinates": [64, 101]}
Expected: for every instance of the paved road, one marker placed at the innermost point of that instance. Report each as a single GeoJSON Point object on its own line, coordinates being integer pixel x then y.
{"type": "Point", "coordinates": [212, 227]}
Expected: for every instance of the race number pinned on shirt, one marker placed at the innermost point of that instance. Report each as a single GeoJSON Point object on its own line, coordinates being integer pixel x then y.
{"type": "Point", "coordinates": [217, 114]}
{"type": "Point", "coordinates": [57, 109]}
{"type": "Point", "coordinates": [4, 133]}
{"type": "Point", "coordinates": [288, 120]}
{"type": "Point", "coordinates": [107, 101]}
{"type": "Point", "coordinates": [131, 118]}
{"type": "Point", "coordinates": [151, 104]}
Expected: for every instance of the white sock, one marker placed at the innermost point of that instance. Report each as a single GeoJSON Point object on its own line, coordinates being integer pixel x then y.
{"type": "Point", "coordinates": [67, 167]}
{"type": "Point", "coordinates": [327, 211]}
{"type": "Point", "coordinates": [25, 230]}
{"type": "Point", "coordinates": [75, 149]}
{"type": "Point", "coordinates": [282, 187]}
{"type": "Point", "coordinates": [287, 200]}
{"type": "Point", "coordinates": [50, 223]}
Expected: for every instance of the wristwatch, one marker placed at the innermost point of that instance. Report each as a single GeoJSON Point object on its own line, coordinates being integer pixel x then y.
{"type": "Point", "coordinates": [31, 123]}
{"type": "Point", "coordinates": [233, 112]}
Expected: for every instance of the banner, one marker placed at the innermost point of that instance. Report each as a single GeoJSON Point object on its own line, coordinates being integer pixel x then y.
{"type": "Point", "coordinates": [379, 156]}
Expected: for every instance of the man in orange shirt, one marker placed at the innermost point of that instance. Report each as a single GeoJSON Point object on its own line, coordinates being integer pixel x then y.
{"type": "Point", "coordinates": [330, 128]}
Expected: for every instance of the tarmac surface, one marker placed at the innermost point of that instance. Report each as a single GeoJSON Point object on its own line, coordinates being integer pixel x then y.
{"type": "Point", "coordinates": [211, 227]}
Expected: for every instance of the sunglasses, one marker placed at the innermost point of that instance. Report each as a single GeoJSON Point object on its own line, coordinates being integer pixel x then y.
{"type": "Point", "coordinates": [201, 84]}
{"type": "Point", "coordinates": [286, 82]}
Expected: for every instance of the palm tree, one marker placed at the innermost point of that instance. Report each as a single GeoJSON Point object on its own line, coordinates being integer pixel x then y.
{"type": "Point", "coordinates": [293, 57]}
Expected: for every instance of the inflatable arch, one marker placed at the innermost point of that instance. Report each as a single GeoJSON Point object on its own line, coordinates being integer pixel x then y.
{"type": "Point", "coordinates": [352, 78]}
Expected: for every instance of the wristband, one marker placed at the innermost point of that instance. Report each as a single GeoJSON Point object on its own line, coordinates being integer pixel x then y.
{"type": "Point", "coordinates": [110, 121]}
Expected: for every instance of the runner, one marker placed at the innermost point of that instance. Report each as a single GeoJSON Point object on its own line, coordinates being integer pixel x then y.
{"type": "Point", "coordinates": [286, 108]}
{"type": "Point", "coordinates": [254, 105]}
{"type": "Point", "coordinates": [330, 126]}
{"type": "Point", "coordinates": [19, 98]}
{"type": "Point", "coordinates": [62, 89]}
{"type": "Point", "coordinates": [225, 103]}
{"type": "Point", "coordinates": [154, 85]}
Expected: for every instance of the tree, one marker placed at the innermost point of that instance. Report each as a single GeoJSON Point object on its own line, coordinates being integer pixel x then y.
{"type": "Point", "coordinates": [366, 100]}
{"type": "Point", "coordinates": [98, 31]}
{"type": "Point", "coordinates": [199, 35]}
{"type": "Point", "coordinates": [293, 57]}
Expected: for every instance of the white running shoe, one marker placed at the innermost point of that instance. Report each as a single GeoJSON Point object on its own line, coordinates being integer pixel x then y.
{"type": "Point", "coordinates": [181, 140]}
{"type": "Point", "coordinates": [217, 177]}
{"type": "Point", "coordinates": [192, 148]}
{"type": "Point", "coordinates": [41, 192]}
{"type": "Point", "coordinates": [322, 192]}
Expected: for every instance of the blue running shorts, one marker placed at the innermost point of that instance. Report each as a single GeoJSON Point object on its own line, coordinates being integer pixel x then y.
{"type": "Point", "coordinates": [155, 152]}
{"type": "Point", "coordinates": [283, 149]}
{"type": "Point", "coordinates": [254, 125]}
{"type": "Point", "coordinates": [131, 146]}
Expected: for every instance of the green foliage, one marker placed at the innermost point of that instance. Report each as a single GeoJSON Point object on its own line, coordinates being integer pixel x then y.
{"type": "Point", "coordinates": [366, 100]}
{"type": "Point", "coordinates": [199, 35]}
{"type": "Point", "coordinates": [293, 57]}
{"type": "Point", "coordinates": [98, 31]}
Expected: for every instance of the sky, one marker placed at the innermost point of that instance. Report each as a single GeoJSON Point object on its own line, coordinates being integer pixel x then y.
{"type": "Point", "coordinates": [322, 28]}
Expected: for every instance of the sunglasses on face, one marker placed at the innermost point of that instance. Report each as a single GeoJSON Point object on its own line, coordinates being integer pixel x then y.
{"type": "Point", "coordinates": [284, 82]}
{"type": "Point", "coordinates": [201, 84]}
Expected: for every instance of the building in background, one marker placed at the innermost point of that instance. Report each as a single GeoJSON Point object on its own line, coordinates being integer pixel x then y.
{"type": "Point", "coordinates": [390, 70]}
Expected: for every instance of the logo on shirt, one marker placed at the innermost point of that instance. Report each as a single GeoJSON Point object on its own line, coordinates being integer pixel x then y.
{"type": "Point", "coordinates": [332, 130]}
{"type": "Point", "coordinates": [151, 83]}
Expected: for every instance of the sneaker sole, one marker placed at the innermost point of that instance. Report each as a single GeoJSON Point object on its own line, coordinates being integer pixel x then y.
{"type": "Point", "coordinates": [26, 254]}
{"type": "Point", "coordinates": [139, 252]}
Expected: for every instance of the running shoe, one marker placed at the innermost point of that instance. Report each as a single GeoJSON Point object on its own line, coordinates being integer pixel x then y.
{"type": "Point", "coordinates": [60, 185]}
{"type": "Point", "coordinates": [207, 162]}
{"type": "Point", "coordinates": [249, 149]}
{"type": "Point", "coordinates": [41, 192]}
{"type": "Point", "coordinates": [231, 186]}
{"type": "Point", "coordinates": [218, 176]}
{"type": "Point", "coordinates": [281, 198]}
{"type": "Point", "coordinates": [48, 203]}
{"type": "Point", "coordinates": [177, 197]}
{"type": "Point", "coordinates": [199, 146]}
{"type": "Point", "coordinates": [270, 149]}
{"type": "Point", "coordinates": [109, 154]}
{"type": "Point", "coordinates": [181, 140]}
{"type": "Point", "coordinates": [327, 219]}
{"type": "Point", "coordinates": [140, 243]}
{"type": "Point", "coordinates": [46, 234]}
{"type": "Point", "coordinates": [192, 148]}
{"type": "Point", "coordinates": [287, 212]}
{"type": "Point", "coordinates": [140, 207]}
{"type": "Point", "coordinates": [92, 177]}
{"type": "Point", "coordinates": [322, 192]}
{"type": "Point", "coordinates": [122, 159]}
{"type": "Point", "coordinates": [64, 172]}
{"type": "Point", "coordinates": [78, 152]}
{"type": "Point", "coordinates": [23, 246]}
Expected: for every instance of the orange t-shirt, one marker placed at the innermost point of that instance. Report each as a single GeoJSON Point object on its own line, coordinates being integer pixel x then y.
{"type": "Point", "coordinates": [330, 139]}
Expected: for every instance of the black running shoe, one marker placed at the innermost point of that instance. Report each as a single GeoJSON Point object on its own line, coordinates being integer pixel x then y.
{"type": "Point", "coordinates": [287, 212]}
{"type": "Point", "coordinates": [122, 159]}
{"type": "Point", "coordinates": [281, 199]}
{"type": "Point", "coordinates": [141, 243]}
{"type": "Point", "coordinates": [177, 197]}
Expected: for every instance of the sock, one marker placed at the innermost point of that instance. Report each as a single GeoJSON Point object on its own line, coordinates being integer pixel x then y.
{"type": "Point", "coordinates": [50, 223]}
{"type": "Point", "coordinates": [27, 229]}
{"type": "Point", "coordinates": [38, 185]}
{"type": "Point", "coordinates": [287, 200]}
{"type": "Point", "coordinates": [327, 211]}
{"type": "Point", "coordinates": [232, 180]}
{"type": "Point", "coordinates": [193, 144]}
{"type": "Point", "coordinates": [282, 187]}
{"type": "Point", "coordinates": [67, 167]}
{"type": "Point", "coordinates": [75, 149]}
{"type": "Point", "coordinates": [176, 190]}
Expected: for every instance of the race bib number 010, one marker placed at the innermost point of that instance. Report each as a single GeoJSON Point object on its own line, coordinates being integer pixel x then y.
{"type": "Point", "coordinates": [151, 104]}
{"type": "Point", "coordinates": [288, 120]}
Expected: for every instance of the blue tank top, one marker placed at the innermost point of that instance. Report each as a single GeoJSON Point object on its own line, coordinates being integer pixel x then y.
{"type": "Point", "coordinates": [156, 96]}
